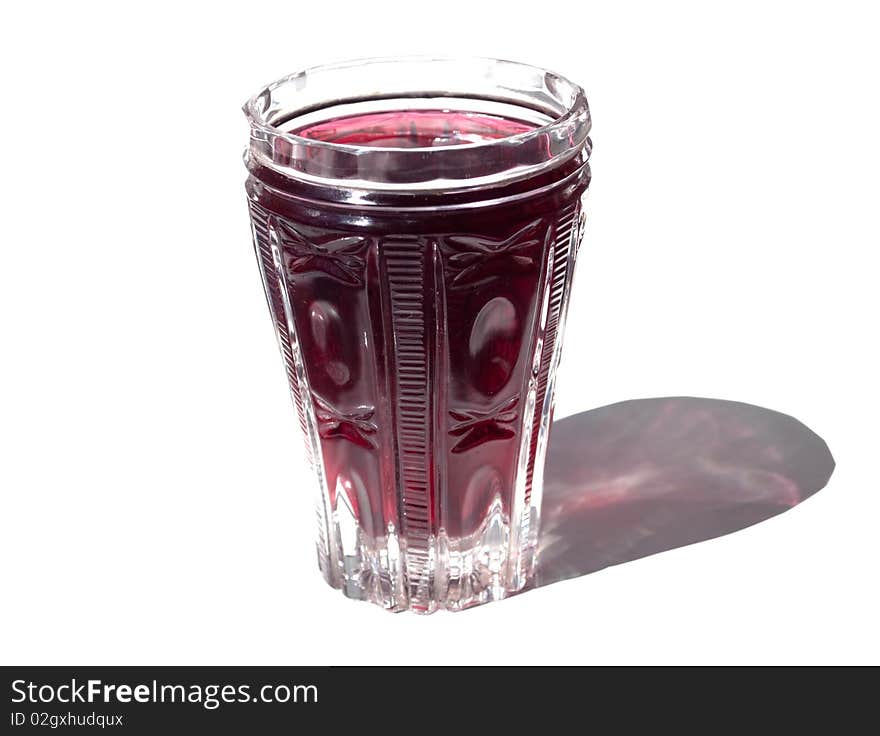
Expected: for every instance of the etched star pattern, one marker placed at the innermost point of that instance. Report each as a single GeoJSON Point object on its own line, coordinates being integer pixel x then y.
{"type": "Point", "coordinates": [336, 255]}
{"type": "Point", "coordinates": [475, 427]}
{"type": "Point", "coordinates": [356, 426]}
{"type": "Point", "coordinates": [477, 258]}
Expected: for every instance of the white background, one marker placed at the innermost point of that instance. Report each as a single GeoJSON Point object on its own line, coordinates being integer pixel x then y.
{"type": "Point", "coordinates": [153, 508]}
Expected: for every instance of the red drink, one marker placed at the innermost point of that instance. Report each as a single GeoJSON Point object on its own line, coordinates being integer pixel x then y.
{"type": "Point", "coordinates": [419, 325]}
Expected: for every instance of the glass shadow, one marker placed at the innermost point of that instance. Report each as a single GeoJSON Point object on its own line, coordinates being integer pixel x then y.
{"type": "Point", "coordinates": [644, 476]}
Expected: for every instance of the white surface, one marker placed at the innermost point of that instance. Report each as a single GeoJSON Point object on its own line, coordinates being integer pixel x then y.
{"type": "Point", "coordinates": [151, 506]}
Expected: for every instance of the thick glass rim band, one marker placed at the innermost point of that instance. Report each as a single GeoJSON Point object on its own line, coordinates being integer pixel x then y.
{"type": "Point", "coordinates": [556, 106]}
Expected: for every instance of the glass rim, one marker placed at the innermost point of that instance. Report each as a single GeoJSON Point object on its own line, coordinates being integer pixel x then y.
{"type": "Point", "coordinates": [561, 102]}
{"type": "Point", "coordinates": [255, 117]}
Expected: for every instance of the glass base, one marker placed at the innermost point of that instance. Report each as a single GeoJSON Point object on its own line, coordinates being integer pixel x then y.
{"type": "Point", "coordinates": [461, 572]}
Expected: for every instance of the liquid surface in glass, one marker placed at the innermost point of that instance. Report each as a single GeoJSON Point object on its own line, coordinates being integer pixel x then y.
{"type": "Point", "coordinates": [414, 128]}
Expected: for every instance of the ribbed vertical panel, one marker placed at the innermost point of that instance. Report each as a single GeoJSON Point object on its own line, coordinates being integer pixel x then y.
{"type": "Point", "coordinates": [259, 220]}
{"type": "Point", "coordinates": [406, 269]}
{"type": "Point", "coordinates": [271, 270]}
{"type": "Point", "coordinates": [536, 488]}
{"type": "Point", "coordinates": [536, 416]}
{"type": "Point", "coordinates": [441, 369]}
{"type": "Point", "coordinates": [557, 286]}
{"type": "Point", "coordinates": [393, 590]}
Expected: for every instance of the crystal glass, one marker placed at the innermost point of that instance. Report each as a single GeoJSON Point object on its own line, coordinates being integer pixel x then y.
{"type": "Point", "coordinates": [416, 223]}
